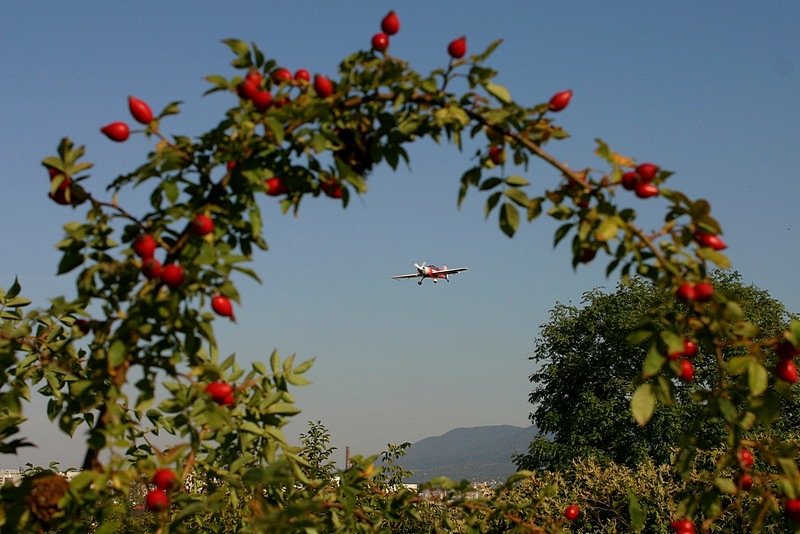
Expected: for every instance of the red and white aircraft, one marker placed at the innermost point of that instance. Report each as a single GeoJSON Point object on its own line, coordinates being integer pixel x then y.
{"type": "Point", "coordinates": [430, 271]}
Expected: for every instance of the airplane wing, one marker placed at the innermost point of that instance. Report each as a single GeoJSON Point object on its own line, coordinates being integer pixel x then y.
{"type": "Point", "coordinates": [399, 276]}
{"type": "Point", "coordinates": [451, 271]}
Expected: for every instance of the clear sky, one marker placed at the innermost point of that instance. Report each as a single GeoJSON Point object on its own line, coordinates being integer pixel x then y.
{"type": "Point", "coordinates": [710, 91]}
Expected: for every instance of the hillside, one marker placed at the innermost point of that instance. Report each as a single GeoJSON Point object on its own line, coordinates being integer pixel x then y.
{"type": "Point", "coordinates": [479, 453]}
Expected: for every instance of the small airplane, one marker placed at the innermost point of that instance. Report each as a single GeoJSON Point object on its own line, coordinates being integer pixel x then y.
{"type": "Point", "coordinates": [430, 271]}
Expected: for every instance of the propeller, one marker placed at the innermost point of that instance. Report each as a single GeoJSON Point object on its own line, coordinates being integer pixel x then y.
{"type": "Point", "coordinates": [420, 268]}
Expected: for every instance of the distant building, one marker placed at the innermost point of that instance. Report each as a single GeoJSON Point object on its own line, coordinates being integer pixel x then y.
{"type": "Point", "coordinates": [14, 476]}
{"type": "Point", "coordinates": [10, 476]}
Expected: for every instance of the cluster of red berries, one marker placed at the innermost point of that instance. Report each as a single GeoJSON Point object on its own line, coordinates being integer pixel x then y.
{"type": "Point", "coordinates": [689, 292]}
{"type": "Point", "coordinates": [640, 180]}
{"type": "Point", "coordinates": [252, 87]}
{"type": "Point", "coordinates": [119, 131]}
{"type": "Point", "coordinates": [164, 480]}
{"type": "Point", "coordinates": [786, 369]}
{"type": "Point", "coordinates": [746, 461]}
{"type": "Point", "coordinates": [686, 369]}
{"type": "Point", "coordinates": [390, 25]}
{"type": "Point", "coordinates": [172, 274]}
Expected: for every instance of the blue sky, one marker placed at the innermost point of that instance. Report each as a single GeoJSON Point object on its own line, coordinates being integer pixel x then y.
{"type": "Point", "coordinates": [712, 94]}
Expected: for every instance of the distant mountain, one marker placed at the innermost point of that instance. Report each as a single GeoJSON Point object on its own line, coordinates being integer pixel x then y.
{"type": "Point", "coordinates": [480, 453]}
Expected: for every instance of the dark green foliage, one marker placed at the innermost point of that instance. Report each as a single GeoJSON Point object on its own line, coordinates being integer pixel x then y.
{"type": "Point", "coordinates": [586, 366]}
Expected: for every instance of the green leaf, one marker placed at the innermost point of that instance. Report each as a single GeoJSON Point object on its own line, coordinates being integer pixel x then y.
{"type": "Point", "coordinates": [109, 527]}
{"type": "Point", "coordinates": [117, 353]}
{"type": "Point", "coordinates": [489, 49]}
{"type": "Point", "coordinates": [297, 380]}
{"type": "Point", "coordinates": [712, 255]}
{"type": "Point", "coordinates": [238, 47]}
{"type": "Point", "coordinates": [276, 128]}
{"type": "Point", "coordinates": [69, 261]}
{"type": "Point", "coordinates": [561, 233]}
{"type": "Point", "coordinates": [275, 362]}
{"type": "Point", "coordinates": [14, 290]}
{"type": "Point", "coordinates": [673, 341]}
{"type": "Point", "coordinates": [603, 150]}
{"type": "Point", "coordinates": [534, 208]}
{"type": "Point", "coordinates": [490, 183]}
{"type": "Point", "coordinates": [518, 196]}
{"type": "Point", "coordinates": [173, 108]}
{"type": "Point", "coordinates": [17, 302]}
{"type": "Point", "coordinates": [636, 513]}
{"type": "Point", "coordinates": [637, 337]}
{"type": "Point", "coordinates": [171, 191]}
{"type": "Point", "coordinates": [607, 229]}
{"type": "Point", "coordinates": [303, 367]}
{"type": "Point", "coordinates": [725, 485]}
{"type": "Point", "coordinates": [643, 403]}
{"type": "Point", "coordinates": [738, 364]}
{"type": "Point", "coordinates": [653, 362]}
{"type": "Point", "coordinates": [491, 202]}
{"type": "Point", "coordinates": [757, 378]}
{"type": "Point", "coordinates": [499, 92]}
{"type": "Point", "coordinates": [251, 427]}
{"type": "Point", "coordinates": [509, 219]}
{"type": "Point", "coordinates": [517, 181]}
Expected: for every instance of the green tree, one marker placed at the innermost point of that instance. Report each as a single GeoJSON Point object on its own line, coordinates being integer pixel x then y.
{"type": "Point", "coordinates": [586, 365]}
{"type": "Point", "coordinates": [316, 450]}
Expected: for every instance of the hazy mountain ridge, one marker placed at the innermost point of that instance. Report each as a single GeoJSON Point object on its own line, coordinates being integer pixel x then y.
{"type": "Point", "coordinates": [479, 453]}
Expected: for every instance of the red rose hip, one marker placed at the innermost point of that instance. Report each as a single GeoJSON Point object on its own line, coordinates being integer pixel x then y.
{"type": "Point", "coordinates": [380, 42]}
{"type": "Point", "coordinates": [221, 393]}
{"type": "Point", "coordinates": [275, 186]}
{"type": "Point", "coordinates": [172, 275]}
{"type": "Point", "coordinates": [686, 292]}
{"type": "Point", "coordinates": [572, 512]}
{"type": "Point", "coordinates": [712, 241]}
{"type": "Point", "coordinates": [222, 305]}
{"type": "Point", "coordinates": [302, 75]}
{"type": "Point", "coordinates": [746, 459]}
{"type": "Point", "coordinates": [116, 131]}
{"type": "Point", "coordinates": [703, 291]}
{"type": "Point", "coordinates": [390, 23]}
{"type": "Point", "coordinates": [497, 155]}
{"type": "Point", "coordinates": [457, 48]}
{"type": "Point", "coordinates": [164, 478]}
{"type": "Point", "coordinates": [332, 188]}
{"type": "Point", "coordinates": [791, 509]}
{"type": "Point", "coordinates": [140, 110]}
{"type": "Point", "coordinates": [151, 268]}
{"type": "Point", "coordinates": [646, 190]}
{"type": "Point", "coordinates": [687, 371]}
{"type": "Point", "coordinates": [202, 225]}
{"type": "Point", "coordinates": [262, 99]}
{"type": "Point", "coordinates": [157, 500]}
{"type": "Point", "coordinates": [560, 100]}
{"type": "Point", "coordinates": [281, 75]}
{"type": "Point", "coordinates": [323, 86]}
{"type": "Point", "coordinates": [647, 171]}
{"type": "Point", "coordinates": [144, 246]}
{"type": "Point", "coordinates": [630, 180]}
{"type": "Point", "coordinates": [786, 370]}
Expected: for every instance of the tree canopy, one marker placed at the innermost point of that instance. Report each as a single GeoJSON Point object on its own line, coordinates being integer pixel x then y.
{"type": "Point", "coordinates": [586, 365]}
